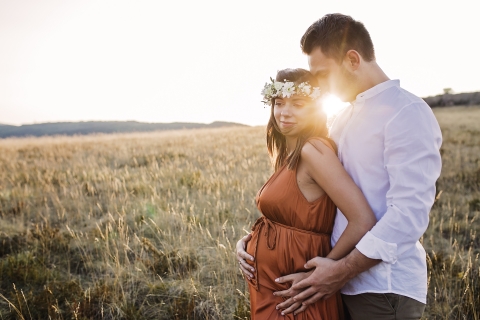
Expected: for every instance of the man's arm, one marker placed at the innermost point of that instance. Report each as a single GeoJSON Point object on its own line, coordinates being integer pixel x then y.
{"type": "Point", "coordinates": [413, 163]}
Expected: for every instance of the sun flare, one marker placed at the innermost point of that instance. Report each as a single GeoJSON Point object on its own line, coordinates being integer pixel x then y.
{"type": "Point", "coordinates": [332, 105]}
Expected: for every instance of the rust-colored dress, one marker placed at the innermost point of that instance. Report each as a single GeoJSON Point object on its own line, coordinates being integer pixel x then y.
{"type": "Point", "coordinates": [291, 231]}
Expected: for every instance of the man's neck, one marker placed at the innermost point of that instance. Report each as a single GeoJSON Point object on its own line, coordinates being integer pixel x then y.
{"type": "Point", "coordinates": [371, 76]}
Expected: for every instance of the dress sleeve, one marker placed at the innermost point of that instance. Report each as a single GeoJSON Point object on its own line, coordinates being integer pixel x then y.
{"type": "Point", "coordinates": [412, 160]}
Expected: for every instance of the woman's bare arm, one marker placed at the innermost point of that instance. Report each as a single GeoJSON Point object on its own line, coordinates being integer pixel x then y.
{"type": "Point", "coordinates": [326, 170]}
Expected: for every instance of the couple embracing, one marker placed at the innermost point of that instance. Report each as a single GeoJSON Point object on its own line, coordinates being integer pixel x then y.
{"type": "Point", "coordinates": [345, 208]}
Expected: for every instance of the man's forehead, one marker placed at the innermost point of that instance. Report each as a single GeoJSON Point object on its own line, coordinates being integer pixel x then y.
{"type": "Point", "coordinates": [318, 61]}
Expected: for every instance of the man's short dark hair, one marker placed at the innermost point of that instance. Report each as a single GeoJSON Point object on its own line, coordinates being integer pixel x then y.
{"type": "Point", "coordinates": [337, 33]}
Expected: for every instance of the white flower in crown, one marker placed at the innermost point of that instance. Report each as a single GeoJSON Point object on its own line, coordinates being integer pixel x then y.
{"type": "Point", "coordinates": [316, 93]}
{"type": "Point", "coordinates": [305, 88]}
{"type": "Point", "coordinates": [288, 89]}
{"type": "Point", "coordinates": [278, 85]}
{"type": "Point", "coordinates": [267, 90]}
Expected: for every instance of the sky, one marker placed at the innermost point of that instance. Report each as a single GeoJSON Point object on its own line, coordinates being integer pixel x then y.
{"type": "Point", "coordinates": [205, 61]}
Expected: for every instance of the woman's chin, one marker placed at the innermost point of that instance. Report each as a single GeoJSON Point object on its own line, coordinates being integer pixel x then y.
{"type": "Point", "coordinates": [290, 131]}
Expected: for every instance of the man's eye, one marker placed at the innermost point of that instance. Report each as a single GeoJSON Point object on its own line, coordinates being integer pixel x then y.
{"type": "Point", "coordinates": [298, 105]}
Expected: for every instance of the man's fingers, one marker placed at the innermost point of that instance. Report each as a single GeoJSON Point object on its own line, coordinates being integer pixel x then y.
{"type": "Point", "coordinates": [301, 309]}
{"type": "Point", "coordinates": [292, 308]}
{"type": "Point", "coordinates": [313, 298]}
{"type": "Point", "coordinates": [305, 283]}
{"type": "Point", "coordinates": [305, 294]}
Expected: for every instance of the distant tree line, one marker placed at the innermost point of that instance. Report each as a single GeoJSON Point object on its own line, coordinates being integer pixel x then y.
{"type": "Point", "coordinates": [450, 99]}
{"type": "Point", "coordinates": [90, 127]}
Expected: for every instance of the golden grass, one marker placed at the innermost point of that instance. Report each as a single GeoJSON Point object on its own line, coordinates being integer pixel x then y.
{"type": "Point", "coordinates": [143, 226]}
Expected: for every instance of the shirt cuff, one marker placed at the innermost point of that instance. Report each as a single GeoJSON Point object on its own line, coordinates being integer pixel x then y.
{"type": "Point", "coordinates": [375, 248]}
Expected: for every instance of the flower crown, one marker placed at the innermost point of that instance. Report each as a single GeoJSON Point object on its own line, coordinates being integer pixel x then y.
{"type": "Point", "coordinates": [286, 89]}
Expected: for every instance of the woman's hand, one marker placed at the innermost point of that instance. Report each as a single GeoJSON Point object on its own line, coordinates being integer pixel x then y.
{"type": "Point", "coordinates": [290, 305]}
{"type": "Point", "coordinates": [242, 255]}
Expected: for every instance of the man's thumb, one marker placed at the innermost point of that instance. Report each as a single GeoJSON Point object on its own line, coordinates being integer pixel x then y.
{"type": "Point", "coordinates": [310, 263]}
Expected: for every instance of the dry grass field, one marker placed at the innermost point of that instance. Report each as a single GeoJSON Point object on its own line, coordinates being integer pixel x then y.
{"type": "Point", "coordinates": [143, 226]}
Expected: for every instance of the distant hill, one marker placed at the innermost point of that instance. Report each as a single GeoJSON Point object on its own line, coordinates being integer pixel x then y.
{"type": "Point", "coordinates": [82, 128]}
{"type": "Point", "coordinates": [449, 99]}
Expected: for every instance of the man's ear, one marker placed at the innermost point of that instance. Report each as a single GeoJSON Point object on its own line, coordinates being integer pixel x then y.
{"type": "Point", "coordinates": [352, 60]}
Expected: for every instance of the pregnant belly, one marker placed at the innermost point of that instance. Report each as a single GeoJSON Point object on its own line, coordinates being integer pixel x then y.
{"type": "Point", "coordinates": [279, 250]}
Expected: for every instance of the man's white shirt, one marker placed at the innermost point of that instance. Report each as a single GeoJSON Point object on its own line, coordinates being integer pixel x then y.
{"type": "Point", "coordinates": [388, 141]}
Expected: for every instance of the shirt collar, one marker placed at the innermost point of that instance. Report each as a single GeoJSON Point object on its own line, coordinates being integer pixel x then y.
{"type": "Point", "coordinates": [377, 89]}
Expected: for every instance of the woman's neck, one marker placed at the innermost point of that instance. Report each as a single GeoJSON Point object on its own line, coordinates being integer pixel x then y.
{"type": "Point", "coordinates": [291, 144]}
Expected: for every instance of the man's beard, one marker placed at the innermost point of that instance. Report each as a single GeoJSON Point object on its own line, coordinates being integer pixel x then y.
{"type": "Point", "coordinates": [348, 85]}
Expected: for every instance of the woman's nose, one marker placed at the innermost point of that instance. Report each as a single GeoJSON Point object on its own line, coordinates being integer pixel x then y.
{"type": "Point", "coordinates": [285, 111]}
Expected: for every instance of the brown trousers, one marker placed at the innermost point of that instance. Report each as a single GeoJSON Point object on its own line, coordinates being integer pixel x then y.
{"type": "Point", "coordinates": [382, 306]}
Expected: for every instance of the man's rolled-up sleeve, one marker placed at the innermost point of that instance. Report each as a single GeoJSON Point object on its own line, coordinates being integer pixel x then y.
{"type": "Point", "coordinates": [412, 160]}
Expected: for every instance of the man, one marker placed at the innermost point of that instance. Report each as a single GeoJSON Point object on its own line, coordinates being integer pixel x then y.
{"type": "Point", "coordinates": [388, 141]}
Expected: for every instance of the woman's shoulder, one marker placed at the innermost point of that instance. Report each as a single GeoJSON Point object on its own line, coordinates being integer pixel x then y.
{"type": "Point", "coordinates": [318, 149]}
{"type": "Point", "coordinates": [319, 144]}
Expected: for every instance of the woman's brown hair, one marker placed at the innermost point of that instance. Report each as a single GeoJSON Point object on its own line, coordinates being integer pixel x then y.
{"type": "Point", "coordinates": [315, 128]}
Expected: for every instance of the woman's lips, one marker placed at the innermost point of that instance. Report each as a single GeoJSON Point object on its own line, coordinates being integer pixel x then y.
{"type": "Point", "coordinates": [286, 124]}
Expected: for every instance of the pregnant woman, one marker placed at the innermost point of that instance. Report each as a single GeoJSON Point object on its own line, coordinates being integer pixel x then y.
{"type": "Point", "coordinates": [298, 202]}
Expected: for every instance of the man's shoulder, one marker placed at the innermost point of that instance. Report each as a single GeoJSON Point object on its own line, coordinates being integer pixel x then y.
{"type": "Point", "coordinates": [399, 100]}
{"type": "Point", "coordinates": [400, 97]}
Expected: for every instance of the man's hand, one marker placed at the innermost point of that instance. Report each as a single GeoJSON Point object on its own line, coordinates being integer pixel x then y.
{"type": "Point", "coordinates": [289, 305]}
{"type": "Point", "coordinates": [242, 255]}
{"type": "Point", "coordinates": [328, 277]}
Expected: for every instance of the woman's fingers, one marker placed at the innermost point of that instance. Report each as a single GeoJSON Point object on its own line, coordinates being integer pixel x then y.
{"type": "Point", "coordinates": [246, 272]}
{"type": "Point", "coordinates": [301, 309]}
{"type": "Point", "coordinates": [242, 255]}
{"type": "Point", "coordinates": [286, 304]}
{"type": "Point", "coordinates": [284, 293]}
{"type": "Point", "coordinates": [292, 308]}
{"type": "Point", "coordinates": [240, 248]}
{"type": "Point", "coordinates": [313, 299]}
{"type": "Point", "coordinates": [304, 295]}
{"type": "Point", "coordinates": [287, 278]}
{"type": "Point", "coordinates": [245, 265]}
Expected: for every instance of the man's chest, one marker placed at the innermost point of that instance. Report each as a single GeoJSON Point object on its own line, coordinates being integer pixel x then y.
{"type": "Point", "coordinates": [360, 137]}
